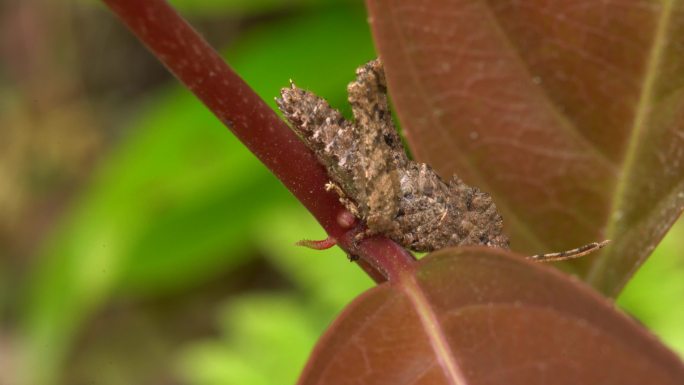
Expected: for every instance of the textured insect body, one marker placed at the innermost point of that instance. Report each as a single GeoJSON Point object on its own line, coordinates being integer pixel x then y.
{"type": "Point", "coordinates": [402, 199]}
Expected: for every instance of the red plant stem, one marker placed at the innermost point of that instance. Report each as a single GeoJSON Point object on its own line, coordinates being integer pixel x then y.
{"type": "Point", "coordinates": [197, 65]}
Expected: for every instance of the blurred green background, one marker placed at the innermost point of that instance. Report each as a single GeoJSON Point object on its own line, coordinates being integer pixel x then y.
{"type": "Point", "coordinates": [140, 243]}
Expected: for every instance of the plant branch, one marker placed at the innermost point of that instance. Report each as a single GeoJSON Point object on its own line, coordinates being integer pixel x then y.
{"type": "Point", "coordinates": [200, 68]}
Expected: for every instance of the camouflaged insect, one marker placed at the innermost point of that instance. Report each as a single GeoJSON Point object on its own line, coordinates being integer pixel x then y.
{"type": "Point", "coordinates": [402, 199]}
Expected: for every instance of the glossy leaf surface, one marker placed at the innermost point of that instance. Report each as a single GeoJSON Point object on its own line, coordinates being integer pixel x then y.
{"type": "Point", "coordinates": [570, 113]}
{"type": "Point", "coordinates": [480, 316]}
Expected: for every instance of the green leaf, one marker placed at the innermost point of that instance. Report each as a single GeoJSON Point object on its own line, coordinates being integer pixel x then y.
{"type": "Point", "coordinates": [324, 276]}
{"type": "Point", "coordinates": [156, 217]}
{"type": "Point", "coordinates": [253, 329]}
{"type": "Point", "coordinates": [166, 210]}
{"type": "Point", "coordinates": [245, 7]}
{"type": "Point", "coordinates": [654, 295]}
{"type": "Point", "coordinates": [318, 50]}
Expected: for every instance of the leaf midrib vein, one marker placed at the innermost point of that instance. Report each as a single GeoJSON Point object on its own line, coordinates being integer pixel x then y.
{"type": "Point", "coordinates": [638, 129]}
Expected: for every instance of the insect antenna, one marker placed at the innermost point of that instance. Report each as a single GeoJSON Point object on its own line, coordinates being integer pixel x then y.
{"type": "Point", "coordinates": [569, 254]}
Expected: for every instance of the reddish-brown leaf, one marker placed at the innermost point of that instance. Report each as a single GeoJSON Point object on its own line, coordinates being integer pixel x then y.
{"type": "Point", "coordinates": [571, 113]}
{"type": "Point", "coordinates": [480, 316]}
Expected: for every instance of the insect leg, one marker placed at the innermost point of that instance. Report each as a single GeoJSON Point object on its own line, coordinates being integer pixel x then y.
{"type": "Point", "coordinates": [344, 199]}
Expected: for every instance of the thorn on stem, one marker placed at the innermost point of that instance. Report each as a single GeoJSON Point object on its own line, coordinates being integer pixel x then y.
{"type": "Point", "coordinates": [318, 245]}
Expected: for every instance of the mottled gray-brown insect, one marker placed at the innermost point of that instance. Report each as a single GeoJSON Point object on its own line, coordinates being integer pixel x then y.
{"type": "Point", "coordinates": [400, 198]}
{"type": "Point", "coordinates": [395, 196]}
